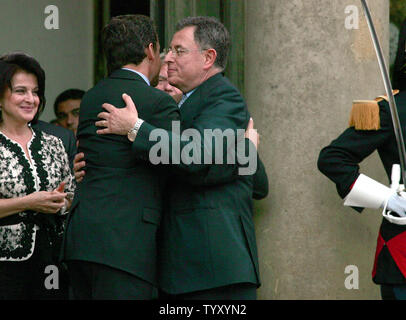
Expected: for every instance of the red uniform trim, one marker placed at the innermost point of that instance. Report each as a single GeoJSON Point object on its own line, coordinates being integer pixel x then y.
{"type": "Point", "coordinates": [380, 244]}
{"type": "Point", "coordinates": [353, 184]}
{"type": "Point", "coordinates": [397, 249]}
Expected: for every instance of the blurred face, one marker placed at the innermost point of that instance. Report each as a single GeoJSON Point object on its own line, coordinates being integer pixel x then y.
{"type": "Point", "coordinates": [163, 83]}
{"type": "Point", "coordinates": [68, 114]}
{"type": "Point", "coordinates": [20, 103]}
{"type": "Point", "coordinates": [186, 69]}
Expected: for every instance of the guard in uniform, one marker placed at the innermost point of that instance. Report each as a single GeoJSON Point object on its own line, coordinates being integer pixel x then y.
{"type": "Point", "coordinates": [371, 129]}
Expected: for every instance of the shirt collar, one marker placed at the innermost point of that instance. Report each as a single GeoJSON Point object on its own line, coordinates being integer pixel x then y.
{"type": "Point", "coordinates": [140, 74]}
{"type": "Point", "coordinates": [184, 97]}
{"type": "Point", "coordinates": [189, 93]}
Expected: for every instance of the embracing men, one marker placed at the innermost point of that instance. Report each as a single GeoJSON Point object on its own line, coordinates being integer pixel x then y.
{"type": "Point", "coordinates": [207, 245]}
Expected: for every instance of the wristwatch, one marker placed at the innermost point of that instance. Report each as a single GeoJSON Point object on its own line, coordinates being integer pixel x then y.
{"type": "Point", "coordinates": [132, 133]}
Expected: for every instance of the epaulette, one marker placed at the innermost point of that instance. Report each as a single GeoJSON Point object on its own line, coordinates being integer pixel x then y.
{"type": "Point", "coordinates": [365, 113]}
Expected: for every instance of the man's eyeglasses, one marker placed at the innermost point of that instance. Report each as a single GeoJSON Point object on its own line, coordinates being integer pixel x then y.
{"type": "Point", "coordinates": [178, 52]}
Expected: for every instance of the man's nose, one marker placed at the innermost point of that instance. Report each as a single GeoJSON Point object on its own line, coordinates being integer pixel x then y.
{"type": "Point", "coordinates": [168, 57]}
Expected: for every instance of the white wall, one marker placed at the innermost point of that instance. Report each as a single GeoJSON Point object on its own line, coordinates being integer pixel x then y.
{"type": "Point", "coordinates": [66, 54]}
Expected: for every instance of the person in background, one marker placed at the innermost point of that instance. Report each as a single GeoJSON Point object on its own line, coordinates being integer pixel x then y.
{"type": "Point", "coordinates": [163, 83]}
{"type": "Point", "coordinates": [35, 186]}
{"type": "Point", "coordinates": [66, 108]}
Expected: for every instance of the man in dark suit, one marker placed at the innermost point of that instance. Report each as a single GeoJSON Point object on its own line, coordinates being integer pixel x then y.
{"type": "Point", "coordinates": [208, 246]}
{"type": "Point", "coordinates": [110, 241]}
{"type": "Point", "coordinates": [339, 161]}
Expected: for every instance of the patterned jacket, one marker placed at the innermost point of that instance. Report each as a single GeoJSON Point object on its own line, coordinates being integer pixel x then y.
{"type": "Point", "coordinates": [20, 176]}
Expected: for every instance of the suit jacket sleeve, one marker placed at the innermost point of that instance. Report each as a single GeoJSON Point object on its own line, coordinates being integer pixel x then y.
{"type": "Point", "coordinates": [223, 114]}
{"type": "Point", "coordinates": [221, 174]}
{"type": "Point", "coordinates": [260, 182]}
{"type": "Point", "coordinates": [340, 160]}
{"type": "Point", "coordinates": [165, 112]}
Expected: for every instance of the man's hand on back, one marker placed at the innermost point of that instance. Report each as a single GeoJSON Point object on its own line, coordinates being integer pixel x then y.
{"type": "Point", "coordinates": [118, 120]}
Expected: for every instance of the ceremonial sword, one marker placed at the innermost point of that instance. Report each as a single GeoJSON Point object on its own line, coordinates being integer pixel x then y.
{"type": "Point", "coordinates": [388, 88]}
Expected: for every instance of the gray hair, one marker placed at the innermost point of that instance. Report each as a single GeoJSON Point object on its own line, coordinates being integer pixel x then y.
{"type": "Point", "coordinates": [209, 33]}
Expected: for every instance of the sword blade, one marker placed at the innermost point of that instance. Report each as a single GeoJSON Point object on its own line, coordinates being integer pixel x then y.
{"type": "Point", "coordinates": [388, 88]}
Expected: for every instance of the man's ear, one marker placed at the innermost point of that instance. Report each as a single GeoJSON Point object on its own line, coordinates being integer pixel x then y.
{"type": "Point", "coordinates": [210, 57]}
{"type": "Point", "coordinates": [150, 51]}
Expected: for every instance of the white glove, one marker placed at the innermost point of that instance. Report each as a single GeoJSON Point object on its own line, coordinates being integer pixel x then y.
{"type": "Point", "coordinates": [368, 193]}
{"type": "Point", "coordinates": [397, 204]}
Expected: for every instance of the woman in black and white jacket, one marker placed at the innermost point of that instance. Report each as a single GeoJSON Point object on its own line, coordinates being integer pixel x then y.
{"type": "Point", "coordinates": [35, 184]}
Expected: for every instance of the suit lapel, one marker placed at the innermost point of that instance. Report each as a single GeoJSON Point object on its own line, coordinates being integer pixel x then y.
{"type": "Point", "coordinates": [193, 105]}
{"type": "Point", "coordinates": [190, 107]}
